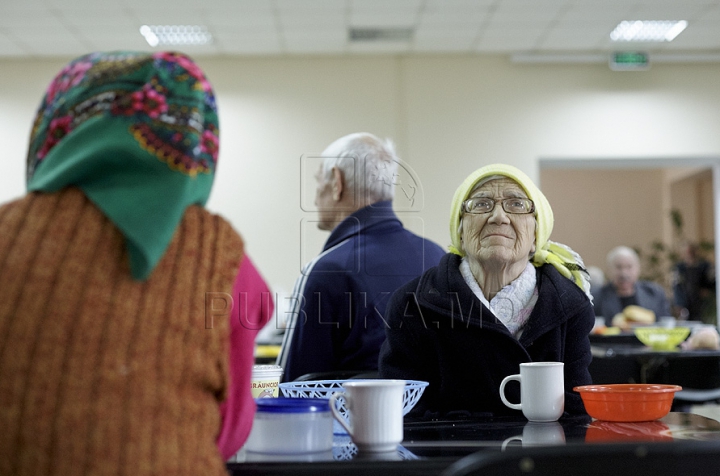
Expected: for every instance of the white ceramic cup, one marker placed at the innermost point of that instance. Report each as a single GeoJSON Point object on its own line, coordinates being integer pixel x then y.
{"type": "Point", "coordinates": [536, 433]}
{"type": "Point", "coordinates": [542, 390]}
{"type": "Point", "coordinates": [375, 408]}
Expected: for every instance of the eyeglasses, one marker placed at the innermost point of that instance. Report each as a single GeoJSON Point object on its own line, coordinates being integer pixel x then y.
{"type": "Point", "coordinates": [479, 205]}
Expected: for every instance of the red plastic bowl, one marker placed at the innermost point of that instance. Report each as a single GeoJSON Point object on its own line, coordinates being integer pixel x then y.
{"type": "Point", "coordinates": [627, 402]}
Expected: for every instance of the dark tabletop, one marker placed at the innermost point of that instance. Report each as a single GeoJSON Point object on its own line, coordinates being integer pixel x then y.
{"type": "Point", "coordinates": [430, 446]}
{"type": "Point", "coordinates": [631, 363]}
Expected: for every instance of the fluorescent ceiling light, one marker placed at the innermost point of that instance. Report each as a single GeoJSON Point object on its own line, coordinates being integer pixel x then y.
{"type": "Point", "coordinates": [639, 30]}
{"type": "Point", "coordinates": [175, 35]}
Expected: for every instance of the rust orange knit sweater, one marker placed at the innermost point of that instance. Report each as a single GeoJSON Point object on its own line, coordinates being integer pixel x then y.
{"type": "Point", "coordinates": [101, 374]}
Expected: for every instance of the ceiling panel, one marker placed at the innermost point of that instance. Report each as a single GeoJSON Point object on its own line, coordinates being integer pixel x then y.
{"type": "Point", "coordinates": [374, 5]}
{"type": "Point", "coordinates": [702, 39]}
{"type": "Point", "coordinates": [315, 36]}
{"type": "Point", "coordinates": [579, 39]}
{"type": "Point", "coordinates": [310, 19]}
{"type": "Point", "coordinates": [29, 18]}
{"type": "Point", "coordinates": [271, 27]}
{"type": "Point", "coordinates": [457, 29]}
{"type": "Point", "coordinates": [179, 16]}
{"type": "Point", "coordinates": [311, 47]}
{"type": "Point", "coordinates": [260, 20]}
{"type": "Point", "coordinates": [674, 11]}
{"type": "Point", "coordinates": [55, 30]}
{"type": "Point", "coordinates": [314, 5]}
{"type": "Point", "coordinates": [383, 18]}
{"type": "Point", "coordinates": [7, 6]}
{"type": "Point", "coordinates": [594, 14]}
{"type": "Point", "coordinates": [453, 4]}
{"type": "Point", "coordinates": [120, 21]}
{"type": "Point", "coordinates": [450, 22]}
{"type": "Point", "coordinates": [247, 33]}
{"type": "Point", "coordinates": [444, 44]}
{"type": "Point", "coordinates": [62, 4]}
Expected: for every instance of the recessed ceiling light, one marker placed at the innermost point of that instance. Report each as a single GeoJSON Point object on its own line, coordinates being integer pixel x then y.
{"type": "Point", "coordinates": [639, 30]}
{"type": "Point", "coordinates": [175, 35]}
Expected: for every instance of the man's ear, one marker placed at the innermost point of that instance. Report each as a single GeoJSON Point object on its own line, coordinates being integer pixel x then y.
{"type": "Point", "coordinates": [338, 184]}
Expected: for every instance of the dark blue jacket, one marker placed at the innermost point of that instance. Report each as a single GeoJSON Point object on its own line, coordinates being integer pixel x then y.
{"type": "Point", "coordinates": [647, 294]}
{"type": "Point", "coordinates": [441, 333]}
{"type": "Point", "coordinates": [340, 298]}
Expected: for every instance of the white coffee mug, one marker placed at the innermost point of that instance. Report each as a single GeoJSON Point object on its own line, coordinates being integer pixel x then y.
{"type": "Point", "coordinates": [375, 409]}
{"type": "Point", "coordinates": [537, 433]}
{"type": "Point", "coordinates": [542, 390]}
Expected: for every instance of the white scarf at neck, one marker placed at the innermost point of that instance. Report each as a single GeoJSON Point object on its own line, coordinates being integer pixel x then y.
{"type": "Point", "coordinates": [513, 304]}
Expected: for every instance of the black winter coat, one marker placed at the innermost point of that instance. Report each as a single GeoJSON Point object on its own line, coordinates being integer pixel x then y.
{"type": "Point", "coordinates": [440, 332]}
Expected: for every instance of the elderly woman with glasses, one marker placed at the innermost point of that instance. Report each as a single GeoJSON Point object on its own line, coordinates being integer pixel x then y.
{"type": "Point", "coordinates": [504, 295]}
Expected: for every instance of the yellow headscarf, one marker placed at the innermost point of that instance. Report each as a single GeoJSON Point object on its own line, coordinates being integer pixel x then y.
{"type": "Point", "coordinates": [564, 259]}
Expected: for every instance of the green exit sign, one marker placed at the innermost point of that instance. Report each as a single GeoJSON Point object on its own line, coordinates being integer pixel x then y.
{"type": "Point", "coordinates": [629, 61]}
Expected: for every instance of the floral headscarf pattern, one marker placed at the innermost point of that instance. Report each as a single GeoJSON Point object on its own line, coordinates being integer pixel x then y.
{"type": "Point", "coordinates": [138, 133]}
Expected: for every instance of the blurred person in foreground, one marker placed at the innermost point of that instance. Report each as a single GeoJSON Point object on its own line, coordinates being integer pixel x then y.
{"type": "Point", "coordinates": [504, 295]}
{"type": "Point", "coordinates": [625, 298]}
{"type": "Point", "coordinates": [337, 322]}
{"type": "Point", "coordinates": [119, 351]}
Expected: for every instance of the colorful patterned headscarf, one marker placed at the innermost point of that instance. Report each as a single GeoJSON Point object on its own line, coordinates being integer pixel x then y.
{"type": "Point", "coordinates": [138, 133]}
{"type": "Point", "coordinates": [564, 259]}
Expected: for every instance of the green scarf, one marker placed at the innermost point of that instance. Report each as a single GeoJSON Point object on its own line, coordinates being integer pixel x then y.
{"type": "Point", "coordinates": [138, 133]}
{"type": "Point", "coordinates": [564, 259]}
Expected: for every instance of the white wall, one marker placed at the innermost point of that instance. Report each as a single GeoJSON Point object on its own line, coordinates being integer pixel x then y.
{"type": "Point", "coordinates": [447, 114]}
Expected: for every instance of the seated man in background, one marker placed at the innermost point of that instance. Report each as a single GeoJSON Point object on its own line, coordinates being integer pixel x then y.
{"type": "Point", "coordinates": [624, 289]}
{"type": "Point", "coordinates": [337, 320]}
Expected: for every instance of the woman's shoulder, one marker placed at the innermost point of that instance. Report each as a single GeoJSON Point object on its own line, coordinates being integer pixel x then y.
{"type": "Point", "coordinates": [199, 216]}
{"type": "Point", "coordinates": [443, 274]}
{"type": "Point", "coordinates": [212, 230]}
{"type": "Point", "coordinates": [549, 271]}
{"type": "Point", "coordinates": [562, 285]}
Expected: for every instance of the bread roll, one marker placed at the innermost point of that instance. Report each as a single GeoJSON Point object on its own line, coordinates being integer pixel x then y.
{"type": "Point", "coordinates": [639, 315]}
{"type": "Point", "coordinates": [633, 315]}
{"type": "Point", "coordinates": [619, 321]}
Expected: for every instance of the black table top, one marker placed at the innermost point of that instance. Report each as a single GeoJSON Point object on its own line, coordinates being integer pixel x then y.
{"type": "Point", "coordinates": [630, 363]}
{"type": "Point", "coordinates": [622, 338]}
{"type": "Point", "coordinates": [430, 446]}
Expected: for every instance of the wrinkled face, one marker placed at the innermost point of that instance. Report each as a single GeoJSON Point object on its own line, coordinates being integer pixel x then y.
{"type": "Point", "coordinates": [499, 236]}
{"type": "Point", "coordinates": [324, 201]}
{"type": "Point", "coordinates": [624, 271]}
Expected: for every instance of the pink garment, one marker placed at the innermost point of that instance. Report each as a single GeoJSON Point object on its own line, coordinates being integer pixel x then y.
{"type": "Point", "coordinates": [252, 309]}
